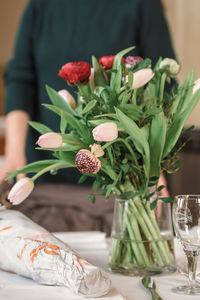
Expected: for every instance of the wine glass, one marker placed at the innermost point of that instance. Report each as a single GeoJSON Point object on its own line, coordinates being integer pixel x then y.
{"type": "Point", "coordinates": [186, 221]}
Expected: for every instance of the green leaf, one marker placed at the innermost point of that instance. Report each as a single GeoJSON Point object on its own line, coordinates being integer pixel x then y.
{"type": "Point", "coordinates": [74, 123]}
{"type": "Point", "coordinates": [98, 73]}
{"type": "Point", "coordinates": [109, 189]}
{"type": "Point", "coordinates": [102, 93]}
{"type": "Point", "coordinates": [84, 90]}
{"type": "Point", "coordinates": [100, 121]}
{"type": "Point", "coordinates": [34, 167]}
{"type": "Point", "coordinates": [166, 199]}
{"type": "Point", "coordinates": [113, 116]}
{"type": "Point", "coordinates": [108, 169]}
{"type": "Point", "coordinates": [110, 155]}
{"type": "Point", "coordinates": [39, 127]}
{"type": "Point", "coordinates": [138, 137]}
{"type": "Point", "coordinates": [68, 157]}
{"type": "Point", "coordinates": [154, 179]}
{"type": "Point", "coordinates": [96, 184]}
{"type": "Point", "coordinates": [82, 178]}
{"type": "Point", "coordinates": [115, 81]}
{"type": "Point", "coordinates": [64, 147]}
{"type": "Point", "coordinates": [160, 188]}
{"type": "Point", "coordinates": [153, 204]}
{"type": "Point", "coordinates": [58, 101]}
{"type": "Point", "coordinates": [133, 111]}
{"type": "Point", "coordinates": [130, 79]}
{"type": "Point", "coordinates": [175, 129]}
{"type": "Point", "coordinates": [72, 139]}
{"type": "Point", "coordinates": [157, 142]}
{"type": "Point", "coordinates": [92, 197]}
{"type": "Point", "coordinates": [89, 107]}
{"type": "Point", "coordinates": [119, 55]}
{"type": "Point", "coordinates": [146, 63]}
{"type": "Point", "coordinates": [63, 123]}
{"type": "Point", "coordinates": [186, 93]}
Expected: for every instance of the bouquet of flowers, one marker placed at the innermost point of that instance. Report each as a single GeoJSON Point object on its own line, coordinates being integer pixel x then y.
{"type": "Point", "coordinates": [123, 131]}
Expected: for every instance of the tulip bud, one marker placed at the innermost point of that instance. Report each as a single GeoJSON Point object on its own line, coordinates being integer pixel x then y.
{"type": "Point", "coordinates": [97, 150]}
{"type": "Point", "coordinates": [68, 98]}
{"type": "Point", "coordinates": [50, 140]}
{"type": "Point", "coordinates": [107, 61]}
{"type": "Point", "coordinates": [91, 78]}
{"type": "Point", "coordinates": [196, 86]}
{"type": "Point", "coordinates": [141, 77]}
{"type": "Point", "coordinates": [21, 190]}
{"type": "Point", "coordinates": [105, 132]}
{"type": "Point", "coordinates": [131, 61]}
{"type": "Point", "coordinates": [86, 162]}
{"type": "Point", "coordinates": [170, 66]}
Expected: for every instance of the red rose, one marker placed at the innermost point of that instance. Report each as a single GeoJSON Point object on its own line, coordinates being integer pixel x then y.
{"type": "Point", "coordinates": [107, 61]}
{"type": "Point", "coordinates": [75, 72]}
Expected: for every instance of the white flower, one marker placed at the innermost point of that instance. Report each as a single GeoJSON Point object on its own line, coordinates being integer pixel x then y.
{"type": "Point", "coordinates": [170, 66]}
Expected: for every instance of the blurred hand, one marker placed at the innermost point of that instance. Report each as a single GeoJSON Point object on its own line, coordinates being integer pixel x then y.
{"type": "Point", "coordinates": [11, 163]}
{"type": "Point", "coordinates": [15, 140]}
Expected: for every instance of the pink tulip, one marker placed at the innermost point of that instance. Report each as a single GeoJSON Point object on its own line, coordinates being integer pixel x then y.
{"type": "Point", "coordinates": [68, 98]}
{"type": "Point", "coordinates": [196, 86]}
{"type": "Point", "coordinates": [21, 190]}
{"type": "Point", "coordinates": [141, 77]}
{"type": "Point", "coordinates": [105, 132]}
{"type": "Point", "coordinates": [50, 140]}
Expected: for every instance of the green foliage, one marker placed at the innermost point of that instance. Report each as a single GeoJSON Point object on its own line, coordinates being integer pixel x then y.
{"type": "Point", "coordinates": [149, 121]}
{"type": "Point", "coordinates": [34, 167]}
{"type": "Point", "coordinates": [41, 128]}
{"type": "Point", "coordinates": [91, 197]}
{"type": "Point", "coordinates": [156, 143]}
{"type": "Point", "coordinates": [58, 101]}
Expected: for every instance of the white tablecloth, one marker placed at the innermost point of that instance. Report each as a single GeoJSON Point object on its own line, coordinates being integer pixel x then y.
{"type": "Point", "coordinates": [92, 246]}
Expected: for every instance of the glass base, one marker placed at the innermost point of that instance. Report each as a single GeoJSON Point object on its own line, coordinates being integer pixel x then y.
{"type": "Point", "coordinates": [142, 271]}
{"type": "Point", "coordinates": [187, 290]}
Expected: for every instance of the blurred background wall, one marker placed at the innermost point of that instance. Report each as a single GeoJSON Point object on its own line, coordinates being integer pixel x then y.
{"type": "Point", "coordinates": [184, 24]}
{"type": "Point", "coordinates": [10, 13]}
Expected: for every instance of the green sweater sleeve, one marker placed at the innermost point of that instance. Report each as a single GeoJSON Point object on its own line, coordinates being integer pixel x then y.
{"type": "Point", "coordinates": [20, 76]}
{"type": "Point", "coordinates": [153, 34]}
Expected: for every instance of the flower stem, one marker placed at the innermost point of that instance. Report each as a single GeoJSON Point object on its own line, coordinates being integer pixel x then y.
{"type": "Point", "coordinates": [141, 217]}
{"type": "Point", "coordinates": [162, 87]}
{"type": "Point", "coordinates": [54, 166]}
{"type": "Point", "coordinates": [137, 241]}
{"type": "Point", "coordinates": [85, 90]}
{"type": "Point", "coordinates": [153, 219]}
{"type": "Point", "coordinates": [126, 144]}
{"type": "Point", "coordinates": [154, 233]}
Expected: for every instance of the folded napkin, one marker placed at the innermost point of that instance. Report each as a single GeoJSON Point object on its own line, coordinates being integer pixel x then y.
{"type": "Point", "coordinates": [31, 251]}
{"type": "Point", "coordinates": [14, 287]}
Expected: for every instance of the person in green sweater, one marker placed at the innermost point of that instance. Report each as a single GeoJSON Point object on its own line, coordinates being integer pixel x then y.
{"type": "Point", "coordinates": [53, 33]}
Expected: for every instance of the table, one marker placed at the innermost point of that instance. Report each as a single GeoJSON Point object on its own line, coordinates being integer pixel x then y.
{"type": "Point", "coordinates": [93, 247]}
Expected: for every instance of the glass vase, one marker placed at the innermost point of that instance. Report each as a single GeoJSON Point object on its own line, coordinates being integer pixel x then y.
{"type": "Point", "coordinates": [141, 239]}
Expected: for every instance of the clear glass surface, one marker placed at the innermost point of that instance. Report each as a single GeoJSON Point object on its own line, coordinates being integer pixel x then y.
{"type": "Point", "coordinates": [141, 239]}
{"type": "Point", "coordinates": [186, 221]}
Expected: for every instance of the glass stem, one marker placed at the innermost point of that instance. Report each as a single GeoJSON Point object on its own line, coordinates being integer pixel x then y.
{"type": "Point", "coordinates": [192, 258]}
